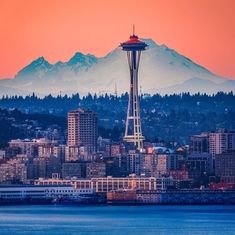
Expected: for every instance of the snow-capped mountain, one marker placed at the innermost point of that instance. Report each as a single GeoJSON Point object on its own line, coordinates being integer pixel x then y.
{"type": "Point", "coordinates": [161, 70]}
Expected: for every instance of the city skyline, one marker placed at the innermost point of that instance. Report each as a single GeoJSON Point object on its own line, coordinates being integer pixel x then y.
{"type": "Point", "coordinates": [150, 123]}
{"type": "Point", "coordinates": [57, 29]}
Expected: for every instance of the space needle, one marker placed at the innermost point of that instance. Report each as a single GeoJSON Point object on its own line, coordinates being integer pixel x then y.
{"type": "Point", "coordinates": [133, 130]}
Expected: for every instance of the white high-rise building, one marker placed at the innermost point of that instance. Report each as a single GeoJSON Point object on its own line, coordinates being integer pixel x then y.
{"type": "Point", "coordinates": [221, 142]}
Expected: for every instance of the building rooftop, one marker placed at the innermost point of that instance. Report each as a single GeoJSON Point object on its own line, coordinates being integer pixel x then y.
{"type": "Point", "coordinates": [133, 44]}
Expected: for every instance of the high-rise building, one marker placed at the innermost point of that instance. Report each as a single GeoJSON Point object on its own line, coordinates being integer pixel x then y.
{"type": "Point", "coordinates": [221, 141]}
{"type": "Point", "coordinates": [225, 167]}
{"type": "Point", "coordinates": [200, 162]}
{"type": "Point", "coordinates": [166, 162]}
{"type": "Point", "coordinates": [117, 149]}
{"type": "Point", "coordinates": [200, 143]}
{"type": "Point", "coordinates": [82, 129]}
{"type": "Point", "coordinates": [134, 161]}
{"type": "Point", "coordinates": [133, 131]}
{"type": "Point", "coordinates": [149, 165]}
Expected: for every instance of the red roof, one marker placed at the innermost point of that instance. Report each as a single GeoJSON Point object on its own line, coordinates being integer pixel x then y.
{"type": "Point", "coordinates": [133, 44]}
{"type": "Point", "coordinates": [133, 39]}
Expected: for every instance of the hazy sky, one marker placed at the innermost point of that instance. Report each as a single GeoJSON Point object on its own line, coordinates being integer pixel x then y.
{"type": "Point", "coordinates": [203, 30]}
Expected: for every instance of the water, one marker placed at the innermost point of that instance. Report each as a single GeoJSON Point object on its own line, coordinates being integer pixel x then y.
{"type": "Point", "coordinates": [117, 220]}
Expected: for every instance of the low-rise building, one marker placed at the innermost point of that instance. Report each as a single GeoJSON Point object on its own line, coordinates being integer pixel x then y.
{"type": "Point", "coordinates": [108, 184]}
{"type": "Point", "coordinates": [45, 192]}
{"type": "Point", "coordinates": [105, 184]}
{"type": "Point", "coordinates": [163, 183]}
{"type": "Point", "coordinates": [71, 169]}
{"type": "Point", "coordinates": [95, 169]}
{"type": "Point", "coordinates": [122, 196]}
{"type": "Point", "coordinates": [13, 170]}
{"type": "Point", "coordinates": [2, 154]}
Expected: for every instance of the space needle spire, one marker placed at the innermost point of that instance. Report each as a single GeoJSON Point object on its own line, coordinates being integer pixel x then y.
{"type": "Point", "coordinates": [133, 130]}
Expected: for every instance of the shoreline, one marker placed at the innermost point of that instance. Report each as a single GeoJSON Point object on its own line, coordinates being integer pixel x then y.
{"type": "Point", "coordinates": [115, 204]}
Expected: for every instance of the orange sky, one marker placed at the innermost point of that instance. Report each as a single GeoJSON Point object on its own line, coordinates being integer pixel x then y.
{"type": "Point", "coordinates": [203, 30]}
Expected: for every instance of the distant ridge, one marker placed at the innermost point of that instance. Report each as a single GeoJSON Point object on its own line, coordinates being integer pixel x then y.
{"type": "Point", "coordinates": [161, 70]}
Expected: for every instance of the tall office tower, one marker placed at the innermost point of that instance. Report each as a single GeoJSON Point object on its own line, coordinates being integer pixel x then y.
{"type": "Point", "coordinates": [225, 167]}
{"type": "Point", "coordinates": [133, 131]}
{"type": "Point", "coordinates": [221, 142]}
{"type": "Point", "coordinates": [82, 129]}
{"type": "Point", "coordinates": [200, 143]}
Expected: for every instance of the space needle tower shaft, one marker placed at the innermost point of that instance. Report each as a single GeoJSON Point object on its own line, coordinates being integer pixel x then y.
{"type": "Point", "coordinates": [133, 130]}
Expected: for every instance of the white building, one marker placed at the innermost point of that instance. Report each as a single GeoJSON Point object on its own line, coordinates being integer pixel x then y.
{"type": "Point", "coordinates": [27, 146]}
{"type": "Point", "coordinates": [105, 184]}
{"type": "Point", "coordinates": [22, 192]}
{"type": "Point", "coordinates": [221, 142]}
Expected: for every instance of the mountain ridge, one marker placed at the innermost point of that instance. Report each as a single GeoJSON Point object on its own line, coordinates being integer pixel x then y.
{"type": "Point", "coordinates": [162, 69]}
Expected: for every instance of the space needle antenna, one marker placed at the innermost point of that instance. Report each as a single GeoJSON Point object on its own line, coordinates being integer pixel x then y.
{"type": "Point", "coordinates": [133, 29]}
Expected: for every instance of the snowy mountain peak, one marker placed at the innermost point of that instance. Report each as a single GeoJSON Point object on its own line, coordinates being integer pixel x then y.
{"type": "Point", "coordinates": [35, 66]}
{"type": "Point", "coordinates": [149, 42]}
{"type": "Point", "coordinates": [162, 69]}
{"type": "Point", "coordinates": [59, 63]}
{"type": "Point", "coordinates": [85, 60]}
{"type": "Point", "coordinates": [40, 59]}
